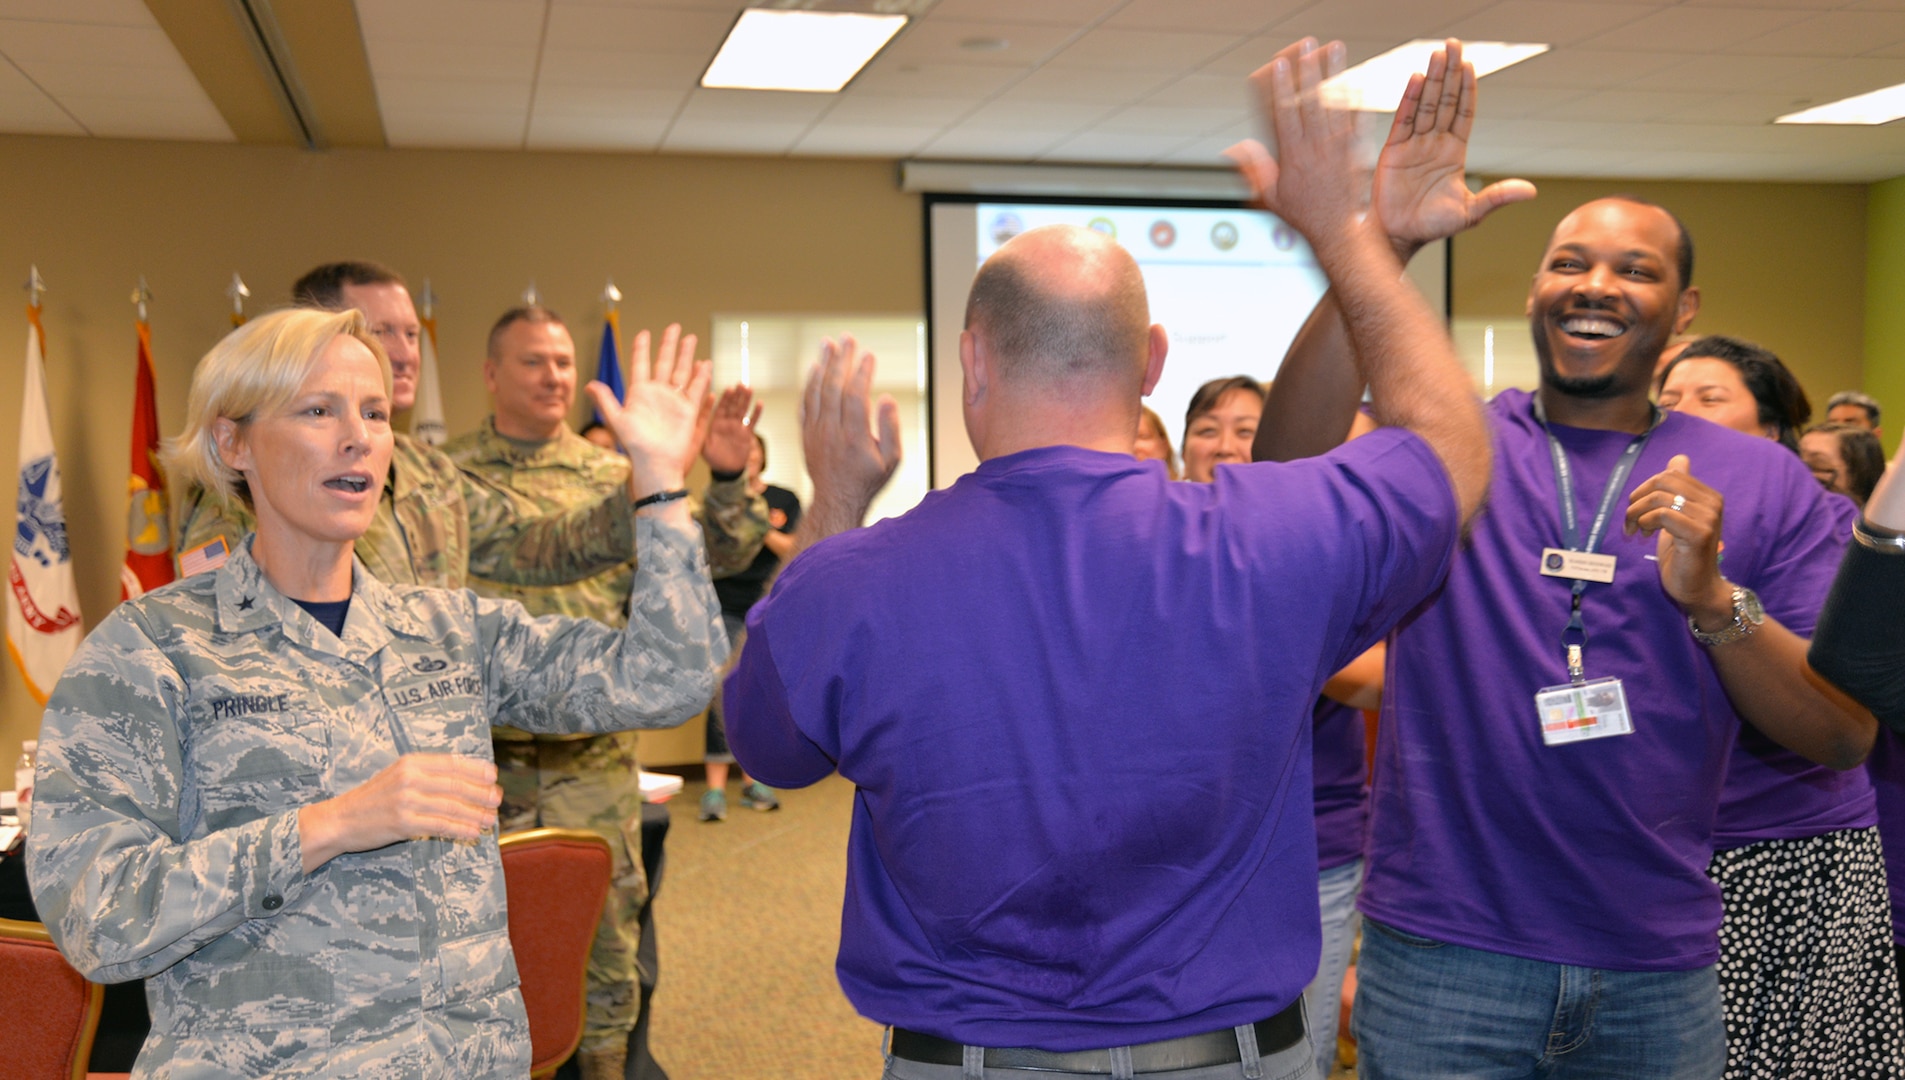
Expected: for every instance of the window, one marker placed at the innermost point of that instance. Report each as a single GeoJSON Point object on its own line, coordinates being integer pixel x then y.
{"type": "Point", "coordinates": [772, 353]}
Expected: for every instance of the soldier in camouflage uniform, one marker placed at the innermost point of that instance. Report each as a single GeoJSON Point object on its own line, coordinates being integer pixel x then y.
{"type": "Point", "coordinates": [527, 451]}
{"type": "Point", "coordinates": [422, 534]}
{"type": "Point", "coordinates": [221, 772]}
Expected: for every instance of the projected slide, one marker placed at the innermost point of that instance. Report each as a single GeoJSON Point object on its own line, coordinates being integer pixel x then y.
{"type": "Point", "coordinates": [1231, 286]}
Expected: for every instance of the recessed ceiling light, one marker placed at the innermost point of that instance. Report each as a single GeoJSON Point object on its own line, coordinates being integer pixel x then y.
{"type": "Point", "coordinates": [812, 51]}
{"type": "Point", "coordinates": [1876, 107]}
{"type": "Point", "coordinates": [1376, 84]}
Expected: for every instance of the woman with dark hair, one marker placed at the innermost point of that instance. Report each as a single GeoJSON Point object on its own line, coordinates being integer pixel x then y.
{"type": "Point", "coordinates": [1846, 458]}
{"type": "Point", "coordinates": [1808, 979]}
{"type": "Point", "coordinates": [1220, 425]}
{"type": "Point", "coordinates": [1739, 385]}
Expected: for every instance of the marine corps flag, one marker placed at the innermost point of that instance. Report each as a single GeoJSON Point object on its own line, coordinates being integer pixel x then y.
{"type": "Point", "coordinates": [148, 530]}
{"type": "Point", "coordinates": [43, 626]}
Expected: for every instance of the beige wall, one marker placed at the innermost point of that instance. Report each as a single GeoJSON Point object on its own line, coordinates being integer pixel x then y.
{"type": "Point", "coordinates": [683, 238]}
{"type": "Point", "coordinates": [1780, 264]}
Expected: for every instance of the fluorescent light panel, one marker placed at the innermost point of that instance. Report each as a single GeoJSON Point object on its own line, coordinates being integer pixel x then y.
{"type": "Point", "coordinates": [1876, 107]}
{"type": "Point", "coordinates": [810, 51]}
{"type": "Point", "coordinates": [1376, 84]}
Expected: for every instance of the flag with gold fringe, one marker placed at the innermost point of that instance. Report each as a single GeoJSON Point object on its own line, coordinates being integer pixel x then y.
{"type": "Point", "coordinates": [426, 416]}
{"type": "Point", "coordinates": [148, 530]}
{"type": "Point", "coordinates": [43, 627]}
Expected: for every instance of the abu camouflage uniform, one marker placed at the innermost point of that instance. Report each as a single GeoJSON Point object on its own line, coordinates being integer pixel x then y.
{"type": "Point", "coordinates": [195, 722]}
{"type": "Point", "coordinates": [589, 783]}
{"type": "Point", "coordinates": [421, 534]}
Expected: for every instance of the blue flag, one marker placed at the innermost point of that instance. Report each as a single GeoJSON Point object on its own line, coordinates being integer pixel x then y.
{"type": "Point", "coordinates": [608, 367]}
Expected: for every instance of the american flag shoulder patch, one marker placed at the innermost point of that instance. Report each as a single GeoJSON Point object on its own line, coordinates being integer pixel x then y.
{"type": "Point", "coordinates": [207, 556]}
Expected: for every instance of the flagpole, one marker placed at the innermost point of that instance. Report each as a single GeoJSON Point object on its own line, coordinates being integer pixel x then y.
{"type": "Point", "coordinates": [43, 620]}
{"type": "Point", "coordinates": [426, 415]}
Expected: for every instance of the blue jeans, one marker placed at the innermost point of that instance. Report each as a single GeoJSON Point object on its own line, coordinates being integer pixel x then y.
{"type": "Point", "coordinates": [1336, 889]}
{"type": "Point", "coordinates": [1426, 1010]}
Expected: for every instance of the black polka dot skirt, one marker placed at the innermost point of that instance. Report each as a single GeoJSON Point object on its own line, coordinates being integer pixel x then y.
{"type": "Point", "coordinates": [1808, 979]}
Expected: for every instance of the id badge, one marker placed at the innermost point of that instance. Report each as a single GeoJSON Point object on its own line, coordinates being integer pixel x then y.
{"type": "Point", "coordinates": [1594, 709]}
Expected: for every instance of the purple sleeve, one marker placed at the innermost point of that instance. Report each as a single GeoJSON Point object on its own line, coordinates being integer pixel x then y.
{"type": "Point", "coordinates": [1399, 498]}
{"type": "Point", "coordinates": [1809, 538]}
{"type": "Point", "coordinates": [761, 729]}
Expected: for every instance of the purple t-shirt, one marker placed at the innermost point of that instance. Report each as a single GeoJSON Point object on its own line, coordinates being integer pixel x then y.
{"type": "Point", "coordinates": [1886, 767]}
{"type": "Point", "coordinates": [1772, 793]}
{"type": "Point", "coordinates": [1591, 853]}
{"type": "Point", "coordinates": [1341, 784]}
{"type": "Point", "coordinates": [1075, 698]}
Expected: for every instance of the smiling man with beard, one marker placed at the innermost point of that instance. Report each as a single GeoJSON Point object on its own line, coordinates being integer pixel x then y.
{"type": "Point", "coordinates": [1557, 720]}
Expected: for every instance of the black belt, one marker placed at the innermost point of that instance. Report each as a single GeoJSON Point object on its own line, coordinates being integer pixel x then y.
{"type": "Point", "coordinates": [1274, 1035]}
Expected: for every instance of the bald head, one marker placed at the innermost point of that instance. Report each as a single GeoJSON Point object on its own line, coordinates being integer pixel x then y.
{"type": "Point", "coordinates": [1061, 303]}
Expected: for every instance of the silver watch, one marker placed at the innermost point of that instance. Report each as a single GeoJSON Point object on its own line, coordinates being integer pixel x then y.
{"type": "Point", "coordinates": [1747, 616]}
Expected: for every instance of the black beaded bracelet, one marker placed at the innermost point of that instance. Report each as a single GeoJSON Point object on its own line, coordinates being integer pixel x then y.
{"type": "Point", "coordinates": [661, 497]}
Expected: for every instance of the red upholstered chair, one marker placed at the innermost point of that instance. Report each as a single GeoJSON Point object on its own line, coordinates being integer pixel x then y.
{"type": "Point", "coordinates": [558, 880]}
{"type": "Point", "coordinates": [48, 1012]}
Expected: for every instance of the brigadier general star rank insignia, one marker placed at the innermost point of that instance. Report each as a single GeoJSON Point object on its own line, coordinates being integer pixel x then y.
{"type": "Point", "coordinates": [244, 604]}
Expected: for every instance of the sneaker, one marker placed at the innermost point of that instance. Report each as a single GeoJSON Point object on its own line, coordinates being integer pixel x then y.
{"type": "Point", "coordinates": [758, 796]}
{"type": "Point", "coordinates": [714, 806]}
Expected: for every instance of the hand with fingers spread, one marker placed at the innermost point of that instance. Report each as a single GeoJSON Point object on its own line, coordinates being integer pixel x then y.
{"type": "Point", "coordinates": [657, 425]}
{"type": "Point", "coordinates": [1687, 515]}
{"type": "Point", "coordinates": [1420, 191]}
{"type": "Point", "coordinates": [1313, 181]}
{"type": "Point", "coordinates": [418, 795]}
{"type": "Point", "coordinates": [848, 461]}
{"type": "Point", "coordinates": [729, 429]}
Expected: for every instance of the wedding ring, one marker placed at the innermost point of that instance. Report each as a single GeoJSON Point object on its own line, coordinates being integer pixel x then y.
{"type": "Point", "coordinates": [1679, 503]}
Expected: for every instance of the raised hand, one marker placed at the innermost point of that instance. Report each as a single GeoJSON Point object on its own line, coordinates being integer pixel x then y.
{"type": "Point", "coordinates": [418, 795]}
{"type": "Point", "coordinates": [848, 462]}
{"type": "Point", "coordinates": [729, 429]}
{"type": "Point", "coordinates": [656, 425]}
{"type": "Point", "coordinates": [1313, 181]}
{"type": "Point", "coordinates": [1420, 191]}
{"type": "Point", "coordinates": [1687, 515]}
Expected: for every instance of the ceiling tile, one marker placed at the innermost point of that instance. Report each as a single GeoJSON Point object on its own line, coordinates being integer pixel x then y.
{"type": "Point", "coordinates": [464, 129]}
{"type": "Point", "coordinates": [1158, 120]}
{"type": "Point", "coordinates": [933, 80]}
{"type": "Point", "coordinates": [1545, 21]}
{"type": "Point", "coordinates": [601, 67]}
{"type": "Point", "coordinates": [1056, 12]}
{"type": "Point", "coordinates": [655, 30]}
{"type": "Point", "coordinates": [1833, 34]}
{"type": "Point", "coordinates": [601, 101]}
{"type": "Point", "coordinates": [1398, 22]}
{"type": "Point", "coordinates": [25, 109]}
{"type": "Point", "coordinates": [1143, 50]}
{"type": "Point", "coordinates": [1053, 84]}
{"type": "Point", "coordinates": [141, 117]}
{"type": "Point", "coordinates": [1065, 119]}
{"type": "Point", "coordinates": [1222, 16]}
{"type": "Point", "coordinates": [1117, 148]}
{"type": "Point", "coordinates": [1252, 53]}
{"type": "Point", "coordinates": [766, 107]}
{"type": "Point", "coordinates": [937, 41]}
{"type": "Point", "coordinates": [1728, 73]}
{"type": "Point", "coordinates": [401, 97]}
{"type": "Point", "coordinates": [107, 12]}
{"type": "Point", "coordinates": [993, 144]}
{"type": "Point", "coordinates": [1200, 89]}
{"type": "Point", "coordinates": [878, 110]}
{"type": "Point", "coordinates": [467, 22]}
{"type": "Point", "coordinates": [458, 60]}
{"type": "Point", "coordinates": [1585, 69]}
{"type": "Point", "coordinates": [1694, 30]}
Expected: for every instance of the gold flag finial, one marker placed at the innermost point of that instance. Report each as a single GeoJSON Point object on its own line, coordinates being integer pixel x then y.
{"type": "Point", "coordinates": [142, 296]}
{"type": "Point", "coordinates": [531, 297]}
{"type": "Point", "coordinates": [611, 295]}
{"type": "Point", "coordinates": [429, 300]}
{"type": "Point", "coordinates": [237, 290]}
{"type": "Point", "coordinates": [35, 286]}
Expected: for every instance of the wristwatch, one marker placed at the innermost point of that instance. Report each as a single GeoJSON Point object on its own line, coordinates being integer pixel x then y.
{"type": "Point", "coordinates": [1747, 615]}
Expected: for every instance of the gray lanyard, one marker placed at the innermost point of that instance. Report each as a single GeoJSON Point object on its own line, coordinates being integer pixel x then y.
{"type": "Point", "coordinates": [1574, 635]}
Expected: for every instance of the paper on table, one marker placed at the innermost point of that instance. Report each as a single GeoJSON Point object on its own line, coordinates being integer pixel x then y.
{"type": "Point", "coordinates": [657, 787]}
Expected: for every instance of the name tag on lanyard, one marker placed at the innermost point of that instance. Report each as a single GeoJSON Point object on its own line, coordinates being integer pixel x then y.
{"type": "Point", "coordinates": [1584, 708]}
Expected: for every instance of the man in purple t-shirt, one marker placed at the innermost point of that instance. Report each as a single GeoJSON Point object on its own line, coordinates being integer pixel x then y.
{"type": "Point", "coordinates": [1557, 719]}
{"type": "Point", "coordinates": [1075, 696]}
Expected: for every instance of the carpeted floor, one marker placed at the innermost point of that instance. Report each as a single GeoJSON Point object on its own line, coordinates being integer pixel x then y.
{"type": "Point", "coordinates": [749, 920]}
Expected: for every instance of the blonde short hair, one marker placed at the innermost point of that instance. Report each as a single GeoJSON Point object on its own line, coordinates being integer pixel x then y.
{"type": "Point", "coordinates": [255, 369]}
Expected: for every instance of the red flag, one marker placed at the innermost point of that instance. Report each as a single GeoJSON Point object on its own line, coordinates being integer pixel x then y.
{"type": "Point", "coordinates": [148, 527]}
